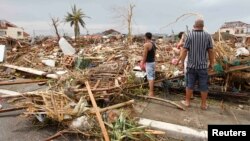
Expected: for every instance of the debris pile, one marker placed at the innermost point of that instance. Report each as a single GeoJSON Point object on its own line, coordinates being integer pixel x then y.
{"type": "Point", "coordinates": [86, 81]}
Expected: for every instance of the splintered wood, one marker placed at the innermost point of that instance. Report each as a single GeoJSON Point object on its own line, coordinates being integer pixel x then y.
{"type": "Point", "coordinates": [54, 104]}
{"type": "Point", "coordinates": [98, 115]}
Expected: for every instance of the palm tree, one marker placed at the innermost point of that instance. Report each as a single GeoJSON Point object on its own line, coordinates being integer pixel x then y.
{"type": "Point", "coordinates": [75, 18]}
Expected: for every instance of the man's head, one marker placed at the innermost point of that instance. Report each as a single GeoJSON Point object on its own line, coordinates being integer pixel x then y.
{"type": "Point", "coordinates": [148, 36]}
{"type": "Point", "coordinates": [199, 24]}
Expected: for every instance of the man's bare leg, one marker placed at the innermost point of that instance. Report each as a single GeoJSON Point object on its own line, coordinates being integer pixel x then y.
{"type": "Point", "coordinates": [151, 87]}
{"type": "Point", "coordinates": [204, 100]}
{"type": "Point", "coordinates": [189, 93]}
{"type": "Point", "coordinates": [192, 95]}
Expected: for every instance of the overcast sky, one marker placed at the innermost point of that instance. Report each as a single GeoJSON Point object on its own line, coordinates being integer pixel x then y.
{"type": "Point", "coordinates": [149, 15]}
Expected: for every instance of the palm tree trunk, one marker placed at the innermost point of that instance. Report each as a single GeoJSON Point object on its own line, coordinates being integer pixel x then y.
{"type": "Point", "coordinates": [75, 30]}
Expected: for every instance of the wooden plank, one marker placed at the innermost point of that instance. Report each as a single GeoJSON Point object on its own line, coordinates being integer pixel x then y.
{"type": "Point", "coordinates": [32, 71]}
{"type": "Point", "coordinates": [98, 115]}
{"type": "Point", "coordinates": [12, 109]}
{"type": "Point", "coordinates": [8, 92]}
{"type": "Point", "coordinates": [20, 82]}
{"type": "Point", "coordinates": [13, 94]}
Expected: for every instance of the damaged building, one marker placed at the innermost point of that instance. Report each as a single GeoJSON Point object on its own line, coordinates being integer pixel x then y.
{"type": "Point", "coordinates": [237, 28]}
{"type": "Point", "coordinates": [9, 29]}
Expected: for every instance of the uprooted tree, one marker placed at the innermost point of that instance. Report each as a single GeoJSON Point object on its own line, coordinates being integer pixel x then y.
{"type": "Point", "coordinates": [75, 18]}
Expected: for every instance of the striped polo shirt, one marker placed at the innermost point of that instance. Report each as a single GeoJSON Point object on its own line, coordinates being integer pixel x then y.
{"type": "Point", "coordinates": [197, 43]}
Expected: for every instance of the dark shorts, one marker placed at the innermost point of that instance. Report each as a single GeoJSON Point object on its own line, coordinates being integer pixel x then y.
{"type": "Point", "coordinates": [200, 75]}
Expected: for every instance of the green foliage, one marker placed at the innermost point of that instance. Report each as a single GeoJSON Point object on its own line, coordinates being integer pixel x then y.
{"type": "Point", "coordinates": [124, 128]}
{"type": "Point", "coordinates": [218, 68]}
{"type": "Point", "coordinates": [131, 78]}
{"type": "Point", "coordinates": [236, 62]}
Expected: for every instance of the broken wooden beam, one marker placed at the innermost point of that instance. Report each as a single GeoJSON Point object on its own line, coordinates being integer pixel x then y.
{"type": "Point", "coordinates": [13, 94]}
{"type": "Point", "coordinates": [32, 71]}
{"type": "Point", "coordinates": [8, 93]}
{"type": "Point", "coordinates": [12, 109]}
{"type": "Point", "coordinates": [20, 82]}
{"type": "Point", "coordinates": [98, 115]}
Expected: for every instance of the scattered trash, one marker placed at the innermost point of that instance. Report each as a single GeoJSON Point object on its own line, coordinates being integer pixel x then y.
{"type": "Point", "coordinates": [241, 106]}
{"type": "Point", "coordinates": [242, 51]}
{"type": "Point", "coordinates": [82, 123]}
{"type": "Point", "coordinates": [51, 63]}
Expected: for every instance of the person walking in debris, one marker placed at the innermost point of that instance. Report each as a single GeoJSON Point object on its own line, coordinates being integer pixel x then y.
{"type": "Point", "coordinates": [180, 45]}
{"type": "Point", "coordinates": [197, 46]}
{"type": "Point", "coordinates": [149, 61]}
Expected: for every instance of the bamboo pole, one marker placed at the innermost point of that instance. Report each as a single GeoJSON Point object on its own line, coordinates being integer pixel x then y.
{"type": "Point", "coordinates": [98, 115]}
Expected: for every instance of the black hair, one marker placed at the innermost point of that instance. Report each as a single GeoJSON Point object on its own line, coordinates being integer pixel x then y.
{"type": "Point", "coordinates": [180, 35]}
{"type": "Point", "coordinates": [148, 35]}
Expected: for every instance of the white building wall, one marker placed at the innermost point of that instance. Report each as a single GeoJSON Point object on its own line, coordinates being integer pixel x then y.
{"type": "Point", "coordinates": [231, 30]}
{"type": "Point", "coordinates": [15, 32]}
{"type": "Point", "coordinates": [237, 31]}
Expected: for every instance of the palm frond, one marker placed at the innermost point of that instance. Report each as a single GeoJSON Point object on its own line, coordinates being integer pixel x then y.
{"type": "Point", "coordinates": [82, 23]}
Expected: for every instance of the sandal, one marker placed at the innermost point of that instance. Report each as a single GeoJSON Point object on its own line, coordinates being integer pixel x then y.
{"type": "Point", "coordinates": [185, 103]}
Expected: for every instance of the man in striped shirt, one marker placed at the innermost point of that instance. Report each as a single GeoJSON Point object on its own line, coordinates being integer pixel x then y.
{"type": "Point", "coordinates": [198, 47]}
